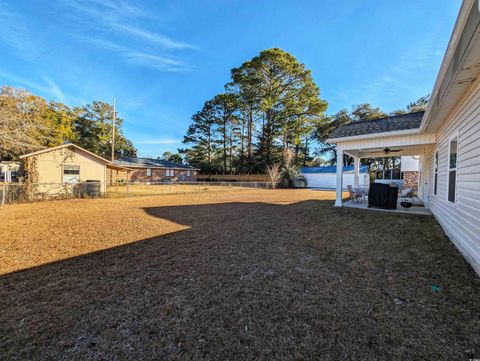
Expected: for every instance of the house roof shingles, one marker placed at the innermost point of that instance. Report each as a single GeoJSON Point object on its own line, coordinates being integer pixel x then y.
{"type": "Point", "coordinates": [150, 163]}
{"type": "Point", "coordinates": [381, 125]}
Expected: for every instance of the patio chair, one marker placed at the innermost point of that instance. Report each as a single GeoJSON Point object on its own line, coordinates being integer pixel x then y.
{"type": "Point", "coordinates": [355, 194]}
{"type": "Point", "coordinates": [362, 194]}
{"type": "Point", "coordinates": [408, 194]}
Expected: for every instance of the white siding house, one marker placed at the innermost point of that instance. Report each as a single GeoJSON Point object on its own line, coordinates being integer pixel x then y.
{"type": "Point", "coordinates": [460, 216]}
{"type": "Point", "coordinates": [446, 138]}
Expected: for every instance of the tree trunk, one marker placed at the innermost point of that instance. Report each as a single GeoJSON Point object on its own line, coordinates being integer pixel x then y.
{"type": "Point", "coordinates": [268, 140]}
{"type": "Point", "coordinates": [209, 147]}
{"type": "Point", "coordinates": [230, 145]}
{"type": "Point", "coordinates": [224, 145]}
{"type": "Point", "coordinates": [285, 140]}
{"type": "Point", "coordinates": [305, 152]}
{"type": "Point", "coordinates": [242, 147]}
{"type": "Point", "coordinates": [249, 134]}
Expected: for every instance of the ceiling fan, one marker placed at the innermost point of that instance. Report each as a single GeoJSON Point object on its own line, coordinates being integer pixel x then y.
{"type": "Point", "coordinates": [388, 150]}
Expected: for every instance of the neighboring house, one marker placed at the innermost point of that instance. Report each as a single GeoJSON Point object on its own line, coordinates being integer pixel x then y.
{"type": "Point", "coordinates": [325, 177]}
{"type": "Point", "coordinates": [146, 170]}
{"type": "Point", "coordinates": [53, 168]}
{"type": "Point", "coordinates": [446, 138]}
{"type": "Point", "coordinates": [406, 176]}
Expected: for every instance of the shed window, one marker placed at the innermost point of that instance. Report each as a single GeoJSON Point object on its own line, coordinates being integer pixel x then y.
{"type": "Point", "coordinates": [71, 173]}
{"type": "Point", "coordinates": [149, 172]}
{"type": "Point", "coordinates": [71, 169]}
{"type": "Point", "coordinates": [452, 170]}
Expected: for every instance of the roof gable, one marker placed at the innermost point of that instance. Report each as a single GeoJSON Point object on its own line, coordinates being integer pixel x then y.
{"type": "Point", "coordinates": [68, 145]}
{"type": "Point", "coordinates": [381, 125]}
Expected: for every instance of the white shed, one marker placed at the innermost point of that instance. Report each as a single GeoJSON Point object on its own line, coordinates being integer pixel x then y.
{"type": "Point", "coordinates": [325, 177]}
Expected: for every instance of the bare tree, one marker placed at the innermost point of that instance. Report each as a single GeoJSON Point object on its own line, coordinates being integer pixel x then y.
{"type": "Point", "coordinates": [21, 127]}
{"type": "Point", "coordinates": [273, 172]}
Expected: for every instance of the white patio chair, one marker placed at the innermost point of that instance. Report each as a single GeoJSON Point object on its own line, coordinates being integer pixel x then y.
{"type": "Point", "coordinates": [355, 194]}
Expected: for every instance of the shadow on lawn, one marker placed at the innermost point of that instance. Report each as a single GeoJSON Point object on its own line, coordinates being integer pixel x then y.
{"type": "Point", "coordinates": [252, 281]}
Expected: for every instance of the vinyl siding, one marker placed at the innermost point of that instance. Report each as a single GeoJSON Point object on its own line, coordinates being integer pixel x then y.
{"type": "Point", "coordinates": [461, 221]}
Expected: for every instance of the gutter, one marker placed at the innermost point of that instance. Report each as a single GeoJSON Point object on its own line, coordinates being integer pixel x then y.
{"type": "Point", "coordinates": [448, 68]}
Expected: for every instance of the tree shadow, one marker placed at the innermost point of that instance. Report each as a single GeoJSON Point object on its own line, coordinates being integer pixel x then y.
{"type": "Point", "coordinates": [244, 281]}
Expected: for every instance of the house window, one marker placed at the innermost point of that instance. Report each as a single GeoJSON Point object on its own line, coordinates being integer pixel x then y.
{"type": "Point", "coordinates": [71, 173]}
{"type": "Point", "coordinates": [389, 174]}
{"type": "Point", "coordinates": [435, 179]}
{"type": "Point", "coordinates": [149, 172]}
{"type": "Point", "coordinates": [452, 170]}
{"type": "Point", "coordinates": [396, 174]}
{"type": "Point", "coordinates": [170, 172]}
{"type": "Point", "coordinates": [189, 173]}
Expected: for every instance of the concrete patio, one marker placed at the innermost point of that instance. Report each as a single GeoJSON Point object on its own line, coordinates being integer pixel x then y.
{"type": "Point", "coordinates": [417, 208]}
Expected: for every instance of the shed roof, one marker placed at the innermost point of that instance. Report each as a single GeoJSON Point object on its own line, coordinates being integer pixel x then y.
{"type": "Point", "coordinates": [67, 145]}
{"type": "Point", "coordinates": [331, 169]}
{"type": "Point", "coordinates": [71, 145]}
{"type": "Point", "coordinates": [380, 125]}
{"type": "Point", "coordinates": [151, 163]}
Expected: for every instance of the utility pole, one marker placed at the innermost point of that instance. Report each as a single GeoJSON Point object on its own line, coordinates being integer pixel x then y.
{"type": "Point", "coordinates": [113, 131]}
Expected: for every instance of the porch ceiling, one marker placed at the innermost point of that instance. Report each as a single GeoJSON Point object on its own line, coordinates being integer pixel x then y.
{"type": "Point", "coordinates": [394, 151]}
{"type": "Point", "coordinates": [406, 144]}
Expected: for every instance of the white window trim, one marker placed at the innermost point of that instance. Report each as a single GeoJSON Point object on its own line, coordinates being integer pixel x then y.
{"type": "Point", "coordinates": [149, 170]}
{"type": "Point", "coordinates": [455, 135]}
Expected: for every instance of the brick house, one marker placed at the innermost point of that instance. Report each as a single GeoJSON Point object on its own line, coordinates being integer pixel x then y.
{"type": "Point", "coordinates": [146, 170]}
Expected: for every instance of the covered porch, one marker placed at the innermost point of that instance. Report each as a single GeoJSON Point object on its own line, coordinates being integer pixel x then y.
{"type": "Point", "coordinates": [383, 145]}
{"type": "Point", "coordinates": [417, 208]}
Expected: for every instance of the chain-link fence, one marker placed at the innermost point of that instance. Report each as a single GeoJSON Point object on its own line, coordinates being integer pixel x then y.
{"type": "Point", "coordinates": [28, 192]}
{"type": "Point", "coordinates": [150, 189]}
{"type": "Point", "coordinates": [24, 192]}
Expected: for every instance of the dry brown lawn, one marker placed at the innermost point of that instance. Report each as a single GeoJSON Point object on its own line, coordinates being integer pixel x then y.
{"type": "Point", "coordinates": [167, 189]}
{"type": "Point", "coordinates": [238, 274]}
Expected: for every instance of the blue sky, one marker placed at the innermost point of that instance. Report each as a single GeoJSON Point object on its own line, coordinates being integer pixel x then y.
{"type": "Point", "coordinates": [162, 59]}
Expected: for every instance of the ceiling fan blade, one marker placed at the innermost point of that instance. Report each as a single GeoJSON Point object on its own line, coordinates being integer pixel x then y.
{"type": "Point", "coordinates": [396, 150]}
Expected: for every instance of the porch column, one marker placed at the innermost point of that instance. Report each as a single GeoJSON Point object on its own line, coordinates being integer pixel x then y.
{"type": "Point", "coordinates": [339, 186]}
{"type": "Point", "coordinates": [356, 171]}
